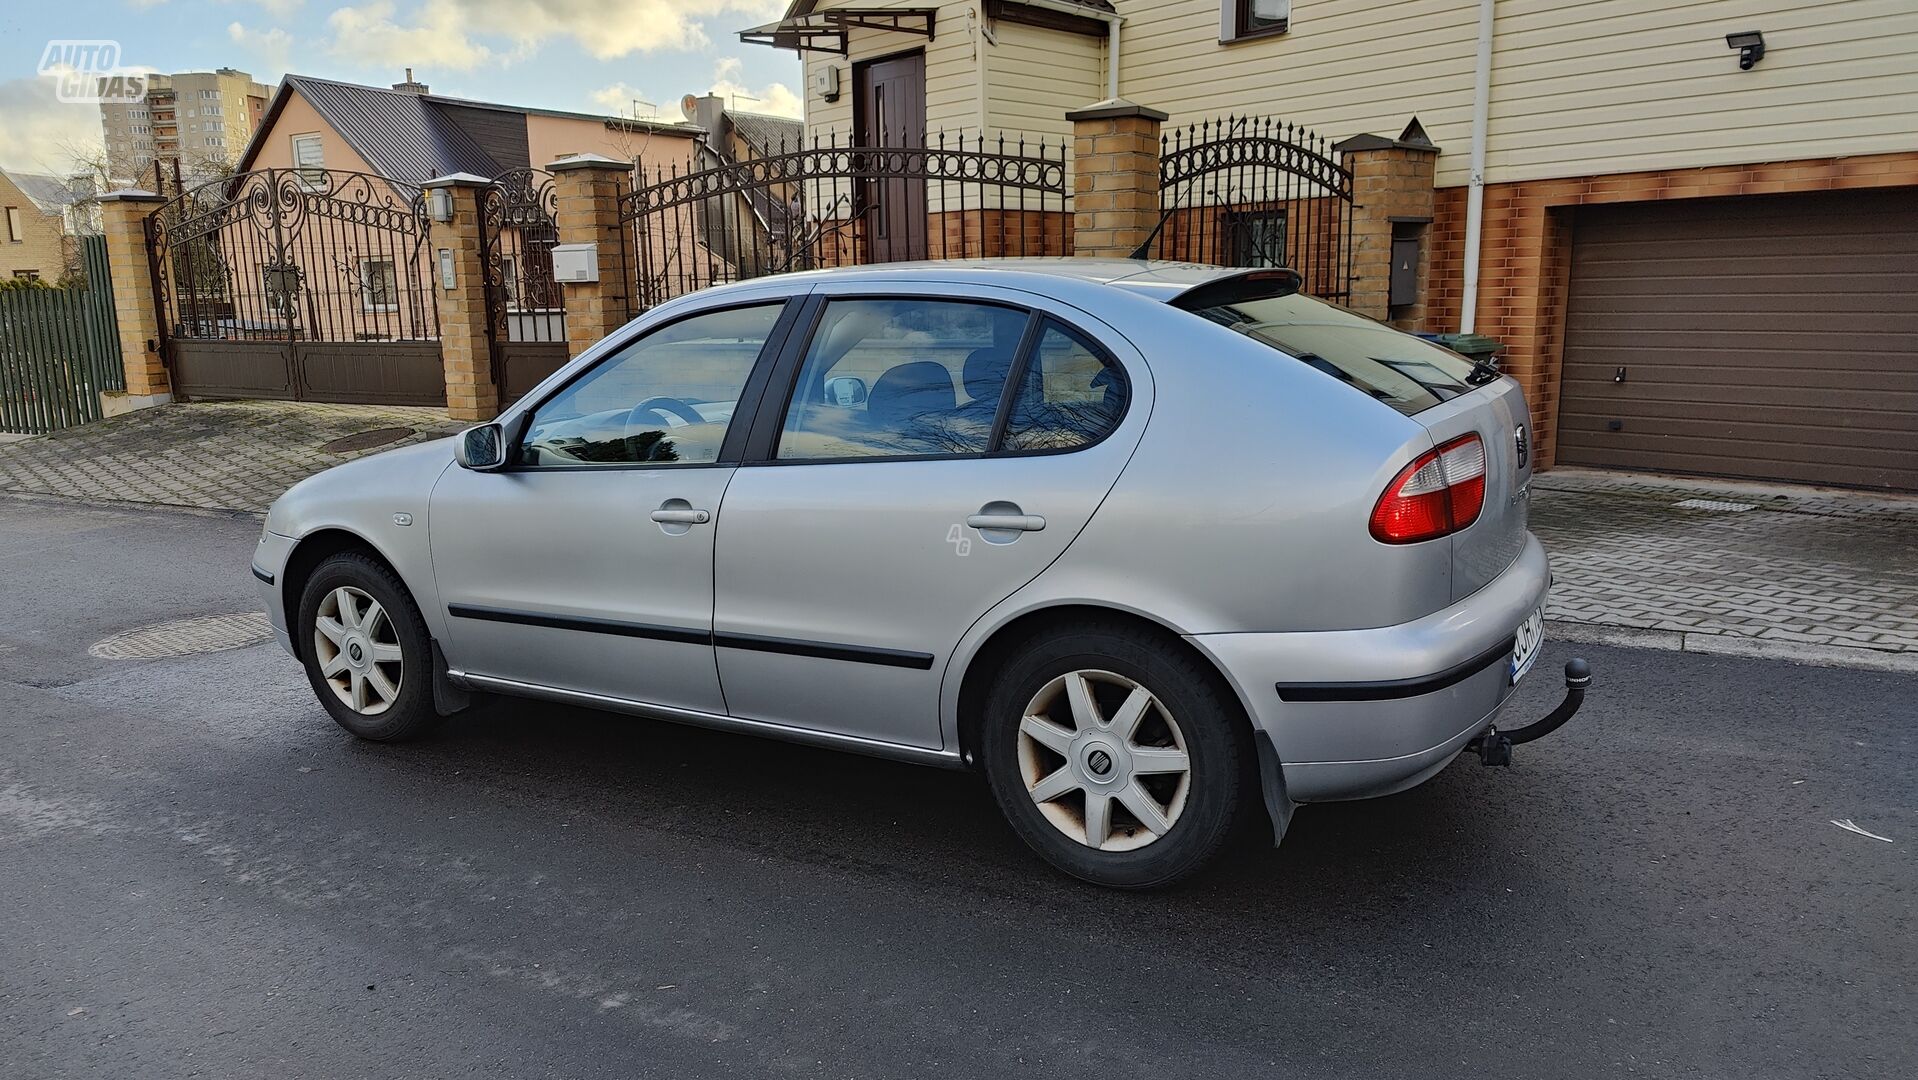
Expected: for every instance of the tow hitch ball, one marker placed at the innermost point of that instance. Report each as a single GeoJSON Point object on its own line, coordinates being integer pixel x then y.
{"type": "Point", "coordinates": [1494, 747]}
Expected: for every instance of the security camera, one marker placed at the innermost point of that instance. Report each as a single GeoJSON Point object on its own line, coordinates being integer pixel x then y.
{"type": "Point", "coordinates": [1750, 46]}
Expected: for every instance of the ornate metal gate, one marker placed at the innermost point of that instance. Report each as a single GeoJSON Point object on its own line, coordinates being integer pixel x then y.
{"type": "Point", "coordinates": [1254, 191]}
{"type": "Point", "coordinates": [801, 207]}
{"type": "Point", "coordinates": [303, 284]}
{"type": "Point", "coordinates": [525, 314]}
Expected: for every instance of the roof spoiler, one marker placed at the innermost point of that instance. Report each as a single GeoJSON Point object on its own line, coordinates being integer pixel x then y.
{"type": "Point", "coordinates": [1261, 284]}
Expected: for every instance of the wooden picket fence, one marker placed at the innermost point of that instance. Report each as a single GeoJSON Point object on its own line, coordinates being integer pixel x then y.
{"type": "Point", "coordinates": [59, 350]}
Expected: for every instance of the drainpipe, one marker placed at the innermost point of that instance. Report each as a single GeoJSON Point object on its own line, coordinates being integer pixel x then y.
{"type": "Point", "coordinates": [1112, 19]}
{"type": "Point", "coordinates": [1475, 194]}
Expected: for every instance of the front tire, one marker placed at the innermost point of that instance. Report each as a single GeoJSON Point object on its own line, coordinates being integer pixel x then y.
{"type": "Point", "coordinates": [1115, 755]}
{"type": "Point", "coordinates": [366, 649]}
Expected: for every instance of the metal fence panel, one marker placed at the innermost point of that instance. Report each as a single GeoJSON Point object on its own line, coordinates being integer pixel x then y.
{"type": "Point", "coordinates": [59, 350]}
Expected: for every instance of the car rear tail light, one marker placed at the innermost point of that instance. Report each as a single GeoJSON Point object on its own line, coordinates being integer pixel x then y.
{"type": "Point", "coordinates": [1437, 495]}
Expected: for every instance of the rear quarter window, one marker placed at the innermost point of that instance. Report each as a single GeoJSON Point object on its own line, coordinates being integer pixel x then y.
{"type": "Point", "coordinates": [1399, 370]}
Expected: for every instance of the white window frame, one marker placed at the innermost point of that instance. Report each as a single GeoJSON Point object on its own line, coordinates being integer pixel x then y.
{"type": "Point", "coordinates": [1230, 29]}
{"type": "Point", "coordinates": [509, 281]}
{"type": "Point", "coordinates": [366, 286]}
{"type": "Point", "coordinates": [14, 228]}
{"type": "Point", "coordinates": [309, 171]}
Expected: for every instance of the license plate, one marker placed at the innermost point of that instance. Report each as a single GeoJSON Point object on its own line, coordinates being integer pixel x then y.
{"type": "Point", "coordinates": [1526, 644]}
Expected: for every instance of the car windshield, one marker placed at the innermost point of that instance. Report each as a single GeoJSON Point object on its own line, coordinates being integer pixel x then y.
{"type": "Point", "coordinates": [1407, 373]}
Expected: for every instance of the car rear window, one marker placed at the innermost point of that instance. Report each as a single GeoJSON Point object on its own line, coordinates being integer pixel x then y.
{"type": "Point", "coordinates": [1407, 373]}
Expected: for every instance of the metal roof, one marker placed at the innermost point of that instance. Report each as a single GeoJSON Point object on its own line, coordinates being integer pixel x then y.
{"type": "Point", "coordinates": [50, 193]}
{"type": "Point", "coordinates": [407, 136]}
{"type": "Point", "coordinates": [768, 134]}
{"type": "Point", "coordinates": [398, 134]}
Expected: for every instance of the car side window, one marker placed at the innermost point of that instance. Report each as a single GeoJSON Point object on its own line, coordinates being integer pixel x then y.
{"type": "Point", "coordinates": [1071, 394]}
{"type": "Point", "coordinates": [901, 378]}
{"type": "Point", "coordinates": [665, 399]}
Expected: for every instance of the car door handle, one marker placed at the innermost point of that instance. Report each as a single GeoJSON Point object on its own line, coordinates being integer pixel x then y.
{"type": "Point", "coordinates": [1013, 522]}
{"type": "Point", "coordinates": [682, 517]}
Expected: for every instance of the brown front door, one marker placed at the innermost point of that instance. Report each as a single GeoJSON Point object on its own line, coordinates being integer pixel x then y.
{"type": "Point", "coordinates": [890, 110]}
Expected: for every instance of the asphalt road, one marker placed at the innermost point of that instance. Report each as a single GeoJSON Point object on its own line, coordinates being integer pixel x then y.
{"type": "Point", "coordinates": [200, 875]}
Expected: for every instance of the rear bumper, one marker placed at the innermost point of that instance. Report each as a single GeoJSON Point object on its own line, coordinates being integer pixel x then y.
{"type": "Point", "coordinates": [1356, 713]}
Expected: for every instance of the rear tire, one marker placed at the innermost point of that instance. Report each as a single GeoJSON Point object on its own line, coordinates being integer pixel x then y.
{"type": "Point", "coordinates": [366, 650]}
{"type": "Point", "coordinates": [1115, 755]}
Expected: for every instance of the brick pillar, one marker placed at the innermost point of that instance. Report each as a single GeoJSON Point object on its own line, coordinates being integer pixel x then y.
{"type": "Point", "coordinates": [1392, 195]}
{"type": "Point", "coordinates": [123, 218]}
{"type": "Point", "coordinates": [588, 188]}
{"type": "Point", "coordinates": [466, 351]}
{"type": "Point", "coordinates": [1115, 185]}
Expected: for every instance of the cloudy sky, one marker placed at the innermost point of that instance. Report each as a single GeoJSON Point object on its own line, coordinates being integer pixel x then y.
{"type": "Point", "coordinates": [587, 55]}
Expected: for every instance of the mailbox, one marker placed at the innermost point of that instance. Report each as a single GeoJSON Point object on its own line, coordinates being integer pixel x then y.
{"type": "Point", "coordinates": [575, 262]}
{"type": "Point", "coordinates": [1404, 287]}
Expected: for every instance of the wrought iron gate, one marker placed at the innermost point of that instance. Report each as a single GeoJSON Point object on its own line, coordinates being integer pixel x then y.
{"type": "Point", "coordinates": [525, 313]}
{"type": "Point", "coordinates": [303, 284]}
{"type": "Point", "coordinates": [799, 207]}
{"type": "Point", "coordinates": [1255, 191]}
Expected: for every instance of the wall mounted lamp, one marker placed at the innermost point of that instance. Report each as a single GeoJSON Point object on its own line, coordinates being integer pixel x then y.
{"type": "Point", "coordinates": [1750, 46]}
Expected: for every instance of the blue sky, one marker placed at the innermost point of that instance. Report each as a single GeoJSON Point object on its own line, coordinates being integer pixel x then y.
{"type": "Point", "coordinates": [588, 55]}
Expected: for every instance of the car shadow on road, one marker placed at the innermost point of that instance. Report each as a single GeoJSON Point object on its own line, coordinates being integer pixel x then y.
{"type": "Point", "coordinates": [932, 830]}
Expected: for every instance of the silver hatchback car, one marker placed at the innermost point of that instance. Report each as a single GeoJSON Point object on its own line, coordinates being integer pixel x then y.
{"type": "Point", "coordinates": [1150, 545]}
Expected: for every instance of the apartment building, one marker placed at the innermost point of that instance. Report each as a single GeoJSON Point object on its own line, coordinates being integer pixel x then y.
{"type": "Point", "coordinates": [200, 120]}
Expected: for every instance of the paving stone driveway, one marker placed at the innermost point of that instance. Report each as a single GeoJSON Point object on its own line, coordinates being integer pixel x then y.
{"type": "Point", "coordinates": [1699, 565]}
{"type": "Point", "coordinates": [219, 455]}
{"type": "Point", "coordinates": [1733, 568]}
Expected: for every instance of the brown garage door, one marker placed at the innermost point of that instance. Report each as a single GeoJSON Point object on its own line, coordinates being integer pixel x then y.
{"type": "Point", "coordinates": [1771, 336]}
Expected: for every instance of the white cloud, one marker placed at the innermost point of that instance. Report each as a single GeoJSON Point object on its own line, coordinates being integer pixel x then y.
{"type": "Point", "coordinates": [438, 39]}
{"type": "Point", "coordinates": [618, 99]}
{"type": "Point", "coordinates": [279, 9]}
{"type": "Point", "coordinates": [774, 99]}
{"type": "Point", "coordinates": [273, 46]}
{"type": "Point", "coordinates": [443, 31]}
{"type": "Point", "coordinates": [42, 133]}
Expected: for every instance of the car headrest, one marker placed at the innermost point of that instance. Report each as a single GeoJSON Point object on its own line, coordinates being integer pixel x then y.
{"type": "Point", "coordinates": [910, 390]}
{"type": "Point", "coordinates": [985, 373]}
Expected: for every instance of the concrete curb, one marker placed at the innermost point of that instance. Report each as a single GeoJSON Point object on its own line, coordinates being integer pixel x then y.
{"type": "Point", "coordinates": [1904, 663]}
{"type": "Point", "coordinates": [132, 505]}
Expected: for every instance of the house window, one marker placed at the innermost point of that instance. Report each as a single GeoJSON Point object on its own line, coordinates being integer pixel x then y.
{"type": "Point", "coordinates": [1257, 237]}
{"type": "Point", "coordinates": [309, 156]}
{"type": "Point", "coordinates": [26, 275]}
{"type": "Point", "coordinates": [1240, 19]}
{"type": "Point", "coordinates": [14, 232]}
{"type": "Point", "coordinates": [509, 280]}
{"type": "Point", "coordinates": [379, 285]}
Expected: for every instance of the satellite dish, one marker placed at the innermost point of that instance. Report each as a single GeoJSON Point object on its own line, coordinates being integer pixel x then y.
{"type": "Point", "coordinates": [690, 106]}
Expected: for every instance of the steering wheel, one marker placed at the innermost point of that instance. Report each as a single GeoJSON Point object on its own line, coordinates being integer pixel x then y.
{"type": "Point", "coordinates": [662, 406]}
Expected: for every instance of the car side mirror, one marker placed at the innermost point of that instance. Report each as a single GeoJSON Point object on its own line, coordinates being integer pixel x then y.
{"type": "Point", "coordinates": [481, 448]}
{"type": "Point", "coordinates": [846, 391]}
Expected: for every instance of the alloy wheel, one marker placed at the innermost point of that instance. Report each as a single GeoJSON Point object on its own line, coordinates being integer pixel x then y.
{"type": "Point", "coordinates": [358, 649]}
{"type": "Point", "coordinates": [1104, 760]}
